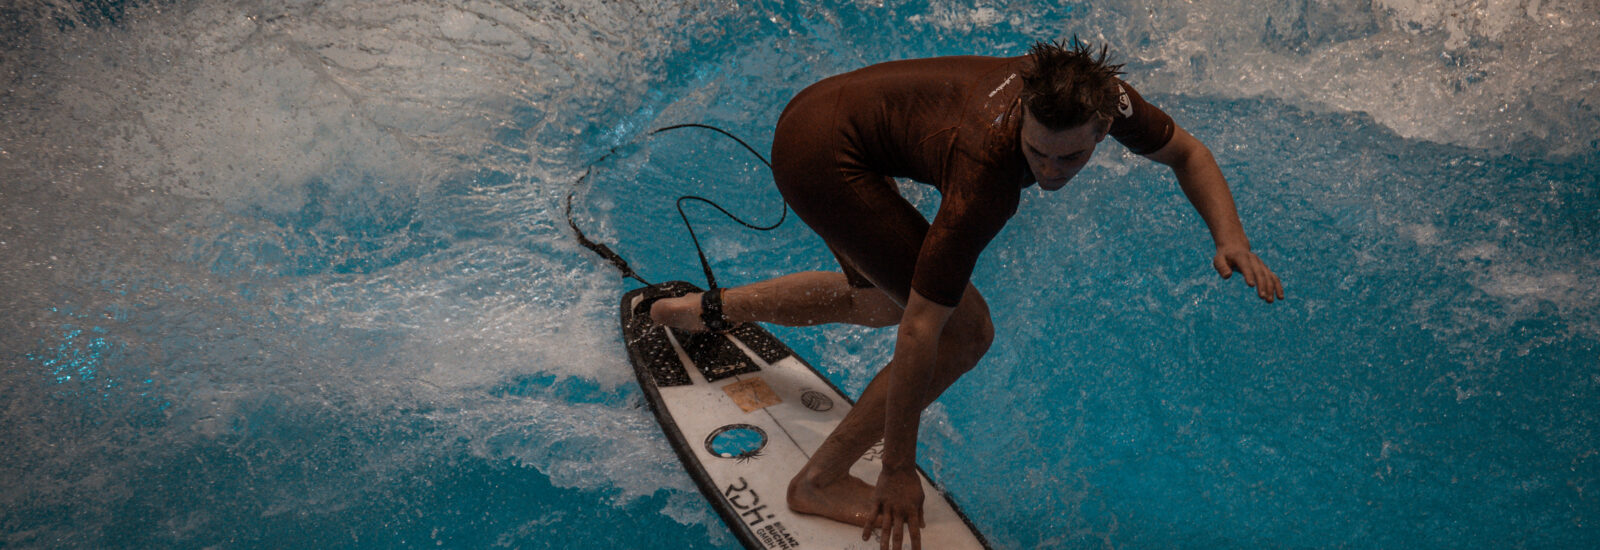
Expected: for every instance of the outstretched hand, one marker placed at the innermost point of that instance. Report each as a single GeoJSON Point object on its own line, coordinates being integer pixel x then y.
{"type": "Point", "coordinates": [1256, 274]}
{"type": "Point", "coordinates": [897, 508]}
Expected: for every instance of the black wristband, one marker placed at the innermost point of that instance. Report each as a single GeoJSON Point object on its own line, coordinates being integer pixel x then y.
{"type": "Point", "coordinates": [711, 311]}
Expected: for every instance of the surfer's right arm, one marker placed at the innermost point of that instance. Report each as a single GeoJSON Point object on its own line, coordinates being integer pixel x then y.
{"type": "Point", "coordinates": [898, 495]}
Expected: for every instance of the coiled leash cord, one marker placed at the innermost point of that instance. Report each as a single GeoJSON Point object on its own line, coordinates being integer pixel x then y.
{"type": "Point", "coordinates": [621, 264]}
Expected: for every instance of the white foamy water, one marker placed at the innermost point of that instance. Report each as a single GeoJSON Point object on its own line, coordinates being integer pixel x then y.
{"type": "Point", "coordinates": [1500, 75]}
{"type": "Point", "coordinates": [336, 214]}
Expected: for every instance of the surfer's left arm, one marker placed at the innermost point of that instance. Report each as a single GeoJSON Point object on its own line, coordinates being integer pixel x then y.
{"type": "Point", "coordinates": [1206, 188]}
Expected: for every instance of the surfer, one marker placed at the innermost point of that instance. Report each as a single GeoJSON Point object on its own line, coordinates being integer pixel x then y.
{"type": "Point", "coordinates": [980, 130]}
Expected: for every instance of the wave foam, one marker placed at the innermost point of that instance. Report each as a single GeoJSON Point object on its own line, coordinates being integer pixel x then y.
{"type": "Point", "coordinates": [1499, 75]}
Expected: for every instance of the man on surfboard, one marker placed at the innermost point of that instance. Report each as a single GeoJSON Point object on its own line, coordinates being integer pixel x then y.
{"type": "Point", "coordinates": [980, 130]}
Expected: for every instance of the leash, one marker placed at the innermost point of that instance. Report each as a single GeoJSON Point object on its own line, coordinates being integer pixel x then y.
{"type": "Point", "coordinates": [621, 264]}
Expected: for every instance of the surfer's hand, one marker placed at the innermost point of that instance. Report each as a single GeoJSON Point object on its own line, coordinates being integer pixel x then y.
{"type": "Point", "coordinates": [897, 508]}
{"type": "Point", "coordinates": [681, 313]}
{"type": "Point", "coordinates": [1256, 274]}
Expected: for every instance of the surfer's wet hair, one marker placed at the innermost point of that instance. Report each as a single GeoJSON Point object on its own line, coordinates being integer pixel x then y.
{"type": "Point", "coordinates": [1068, 84]}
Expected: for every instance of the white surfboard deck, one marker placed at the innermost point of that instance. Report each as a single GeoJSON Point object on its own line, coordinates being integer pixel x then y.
{"type": "Point", "coordinates": [776, 417]}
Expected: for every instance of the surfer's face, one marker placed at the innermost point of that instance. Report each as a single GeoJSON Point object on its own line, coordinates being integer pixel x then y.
{"type": "Point", "coordinates": [1054, 156]}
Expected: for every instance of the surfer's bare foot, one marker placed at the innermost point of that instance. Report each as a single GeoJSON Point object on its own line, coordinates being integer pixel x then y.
{"type": "Point", "coordinates": [682, 313]}
{"type": "Point", "coordinates": [847, 499]}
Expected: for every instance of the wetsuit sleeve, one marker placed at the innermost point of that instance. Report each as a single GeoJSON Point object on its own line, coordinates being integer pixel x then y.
{"type": "Point", "coordinates": [962, 228]}
{"type": "Point", "coordinates": [1140, 126]}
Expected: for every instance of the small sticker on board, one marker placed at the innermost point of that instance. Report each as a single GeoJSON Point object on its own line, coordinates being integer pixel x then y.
{"type": "Point", "coordinates": [752, 394]}
{"type": "Point", "coordinates": [816, 401]}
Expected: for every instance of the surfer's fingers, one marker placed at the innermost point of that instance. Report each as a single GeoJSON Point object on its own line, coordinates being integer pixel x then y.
{"type": "Point", "coordinates": [1268, 290]}
{"type": "Point", "coordinates": [916, 531]}
{"type": "Point", "coordinates": [1252, 279]}
{"type": "Point", "coordinates": [880, 519]}
{"type": "Point", "coordinates": [906, 525]}
{"type": "Point", "coordinates": [872, 520]}
{"type": "Point", "coordinates": [1273, 283]}
{"type": "Point", "coordinates": [1268, 286]}
{"type": "Point", "coordinates": [884, 536]}
{"type": "Point", "coordinates": [1220, 263]}
{"type": "Point", "coordinates": [888, 523]}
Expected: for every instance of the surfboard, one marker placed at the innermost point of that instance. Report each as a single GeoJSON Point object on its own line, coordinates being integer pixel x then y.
{"type": "Point", "coordinates": [744, 413]}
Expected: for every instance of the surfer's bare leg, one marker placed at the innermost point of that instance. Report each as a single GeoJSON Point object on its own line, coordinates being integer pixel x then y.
{"type": "Point", "coordinates": [796, 300]}
{"type": "Point", "coordinates": [824, 486]}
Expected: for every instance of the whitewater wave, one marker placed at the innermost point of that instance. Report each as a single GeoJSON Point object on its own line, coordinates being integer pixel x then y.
{"type": "Point", "coordinates": [1505, 76]}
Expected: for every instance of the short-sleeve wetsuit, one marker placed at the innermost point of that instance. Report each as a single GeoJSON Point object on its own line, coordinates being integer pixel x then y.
{"type": "Point", "coordinates": [952, 122]}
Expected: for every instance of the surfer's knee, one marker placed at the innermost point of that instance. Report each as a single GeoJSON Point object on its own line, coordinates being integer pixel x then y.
{"type": "Point", "coordinates": [976, 334]}
{"type": "Point", "coordinates": [970, 328]}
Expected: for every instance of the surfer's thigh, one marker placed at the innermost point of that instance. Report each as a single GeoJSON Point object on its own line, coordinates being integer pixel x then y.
{"type": "Point", "coordinates": [873, 231]}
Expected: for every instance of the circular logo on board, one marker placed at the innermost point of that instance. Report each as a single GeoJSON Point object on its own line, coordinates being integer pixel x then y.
{"type": "Point", "coordinates": [816, 401]}
{"type": "Point", "coordinates": [737, 441]}
{"type": "Point", "coordinates": [1124, 105]}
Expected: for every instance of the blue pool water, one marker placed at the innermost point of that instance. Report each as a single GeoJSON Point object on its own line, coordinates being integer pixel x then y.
{"type": "Point", "coordinates": [295, 274]}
